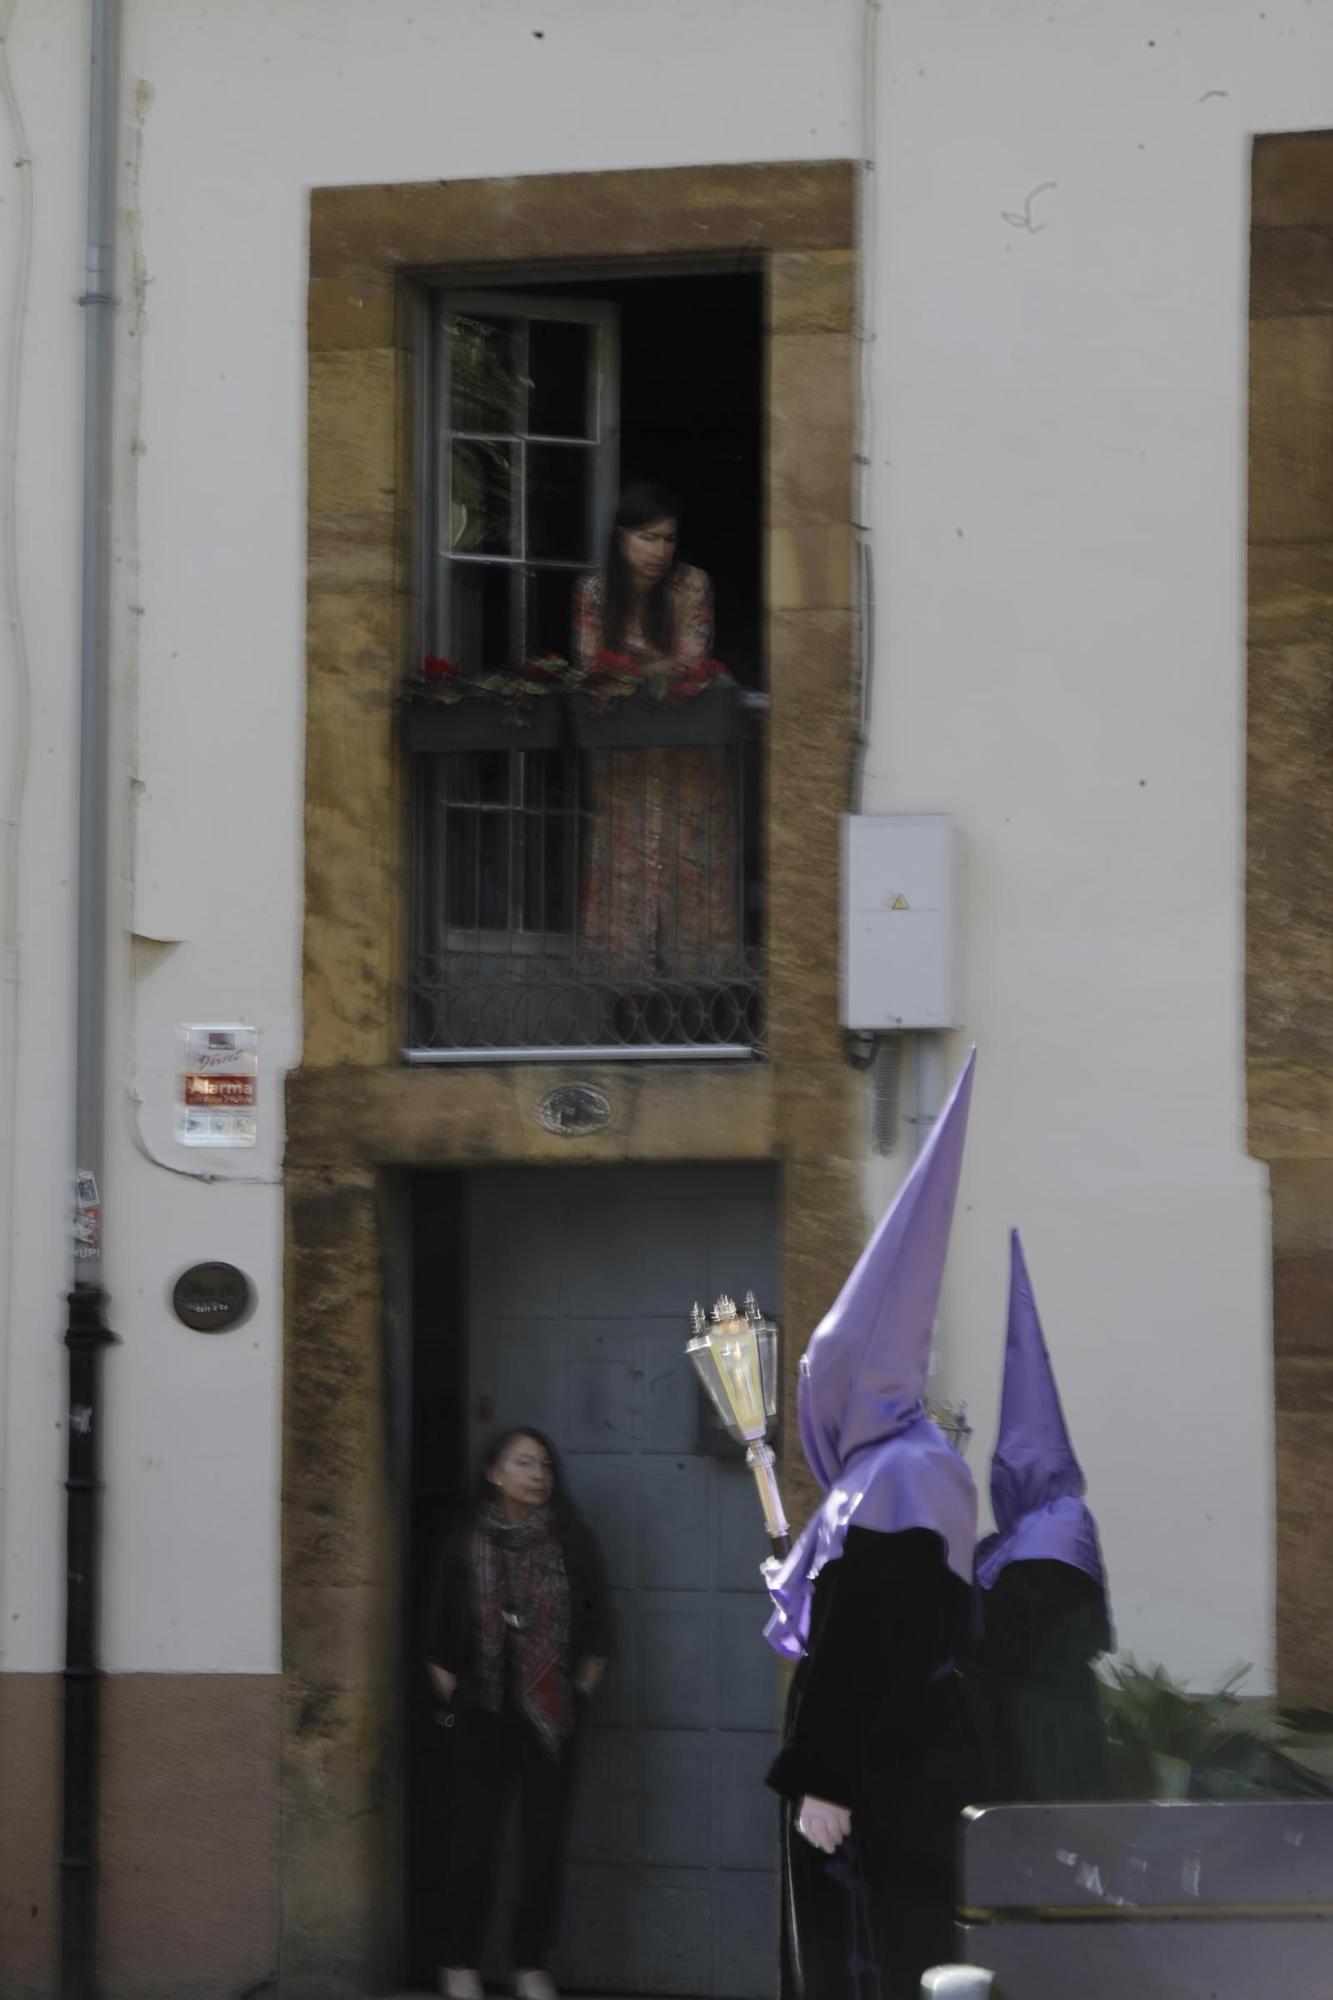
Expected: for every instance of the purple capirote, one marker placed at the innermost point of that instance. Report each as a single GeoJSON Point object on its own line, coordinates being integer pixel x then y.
{"type": "Point", "coordinates": [1036, 1482]}
{"type": "Point", "coordinates": [881, 1461]}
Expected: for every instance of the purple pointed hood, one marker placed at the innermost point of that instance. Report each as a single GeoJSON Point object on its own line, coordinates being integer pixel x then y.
{"type": "Point", "coordinates": [1036, 1482]}
{"type": "Point", "coordinates": [881, 1461]}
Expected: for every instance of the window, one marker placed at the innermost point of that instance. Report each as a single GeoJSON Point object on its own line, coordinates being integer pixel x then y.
{"type": "Point", "coordinates": [568, 895]}
{"type": "Point", "coordinates": [528, 407]}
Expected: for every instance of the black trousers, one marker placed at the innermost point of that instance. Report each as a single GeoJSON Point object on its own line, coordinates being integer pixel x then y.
{"type": "Point", "coordinates": [862, 1924]}
{"type": "Point", "coordinates": [867, 1922]}
{"type": "Point", "coordinates": [490, 1758]}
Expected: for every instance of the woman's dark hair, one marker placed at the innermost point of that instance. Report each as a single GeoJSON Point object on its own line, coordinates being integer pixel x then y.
{"type": "Point", "coordinates": [483, 1493]}
{"type": "Point", "coordinates": [640, 505]}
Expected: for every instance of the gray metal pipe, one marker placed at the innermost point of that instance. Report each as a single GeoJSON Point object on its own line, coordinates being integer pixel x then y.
{"type": "Point", "coordinates": [98, 302]}
{"type": "Point", "coordinates": [86, 1332]}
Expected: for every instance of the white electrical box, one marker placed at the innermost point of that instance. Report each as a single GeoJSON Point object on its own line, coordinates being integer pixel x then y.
{"type": "Point", "coordinates": [901, 884]}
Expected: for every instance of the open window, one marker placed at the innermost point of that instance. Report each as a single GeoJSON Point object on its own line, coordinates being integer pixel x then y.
{"type": "Point", "coordinates": [574, 891]}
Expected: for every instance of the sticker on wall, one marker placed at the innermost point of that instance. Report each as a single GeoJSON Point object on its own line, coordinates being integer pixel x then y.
{"type": "Point", "coordinates": [219, 1086]}
{"type": "Point", "coordinates": [573, 1110]}
{"type": "Point", "coordinates": [87, 1217]}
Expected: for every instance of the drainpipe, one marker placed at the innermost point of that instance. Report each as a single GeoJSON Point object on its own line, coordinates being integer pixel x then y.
{"type": "Point", "coordinates": [15, 752]}
{"type": "Point", "coordinates": [86, 1332]}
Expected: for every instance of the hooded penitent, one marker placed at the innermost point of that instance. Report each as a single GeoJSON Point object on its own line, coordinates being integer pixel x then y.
{"type": "Point", "coordinates": [881, 1461]}
{"type": "Point", "coordinates": [1036, 1482]}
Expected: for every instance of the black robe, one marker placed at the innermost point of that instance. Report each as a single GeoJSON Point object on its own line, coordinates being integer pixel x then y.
{"type": "Point", "coordinates": [1044, 1625]}
{"type": "Point", "coordinates": [879, 1721]}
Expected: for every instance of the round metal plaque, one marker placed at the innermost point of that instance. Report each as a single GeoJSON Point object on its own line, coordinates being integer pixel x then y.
{"type": "Point", "coordinates": [574, 1110]}
{"type": "Point", "coordinates": [211, 1298]}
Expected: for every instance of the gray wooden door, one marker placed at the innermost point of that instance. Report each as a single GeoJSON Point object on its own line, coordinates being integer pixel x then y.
{"type": "Point", "coordinates": [582, 1282]}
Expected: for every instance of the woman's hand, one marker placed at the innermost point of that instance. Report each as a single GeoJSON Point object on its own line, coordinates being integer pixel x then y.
{"type": "Point", "coordinates": [823, 1825]}
{"type": "Point", "coordinates": [443, 1682]}
{"type": "Point", "coordinates": [590, 1671]}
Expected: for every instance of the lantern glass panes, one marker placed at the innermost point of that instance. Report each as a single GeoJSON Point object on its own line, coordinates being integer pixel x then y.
{"type": "Point", "coordinates": [736, 1357]}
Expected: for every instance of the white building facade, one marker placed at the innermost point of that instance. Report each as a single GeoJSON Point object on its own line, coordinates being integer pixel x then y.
{"type": "Point", "coordinates": [1047, 482]}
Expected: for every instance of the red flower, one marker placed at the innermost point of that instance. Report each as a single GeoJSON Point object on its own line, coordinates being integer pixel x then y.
{"type": "Point", "coordinates": [436, 669]}
{"type": "Point", "coordinates": [696, 678]}
{"type": "Point", "coordinates": [615, 663]}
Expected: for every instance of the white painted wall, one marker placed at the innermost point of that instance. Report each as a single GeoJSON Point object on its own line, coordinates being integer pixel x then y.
{"type": "Point", "coordinates": [1060, 513]}
{"type": "Point", "coordinates": [234, 109]}
{"type": "Point", "coordinates": [1057, 500]}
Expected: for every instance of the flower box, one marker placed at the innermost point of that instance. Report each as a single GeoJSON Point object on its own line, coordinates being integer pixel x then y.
{"type": "Point", "coordinates": [482, 722]}
{"type": "Point", "coordinates": [641, 722]}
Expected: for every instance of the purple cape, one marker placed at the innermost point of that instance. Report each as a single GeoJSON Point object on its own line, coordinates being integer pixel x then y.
{"type": "Point", "coordinates": [881, 1461]}
{"type": "Point", "coordinates": [1036, 1482]}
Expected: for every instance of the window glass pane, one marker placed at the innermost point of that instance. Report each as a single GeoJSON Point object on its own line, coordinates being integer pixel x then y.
{"type": "Point", "coordinates": [477, 843]}
{"type": "Point", "coordinates": [492, 779]}
{"type": "Point", "coordinates": [551, 612]}
{"type": "Point", "coordinates": [558, 386]}
{"type": "Point", "coordinates": [483, 373]}
{"type": "Point", "coordinates": [460, 870]}
{"type": "Point", "coordinates": [481, 633]}
{"type": "Point", "coordinates": [559, 503]}
{"type": "Point", "coordinates": [481, 481]}
{"type": "Point", "coordinates": [549, 858]}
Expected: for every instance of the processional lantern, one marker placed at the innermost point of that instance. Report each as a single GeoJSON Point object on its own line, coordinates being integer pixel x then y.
{"type": "Point", "coordinates": [951, 1418]}
{"type": "Point", "coordinates": [735, 1353]}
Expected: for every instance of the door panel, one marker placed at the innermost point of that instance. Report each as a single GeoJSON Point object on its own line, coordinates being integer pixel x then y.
{"type": "Point", "coordinates": [581, 1287]}
{"type": "Point", "coordinates": [673, 1521]}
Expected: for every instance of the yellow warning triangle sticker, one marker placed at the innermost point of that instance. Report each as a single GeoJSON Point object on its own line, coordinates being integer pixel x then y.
{"type": "Point", "coordinates": [899, 903]}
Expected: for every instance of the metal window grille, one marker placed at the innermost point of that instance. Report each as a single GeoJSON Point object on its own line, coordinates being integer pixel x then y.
{"type": "Point", "coordinates": [526, 938]}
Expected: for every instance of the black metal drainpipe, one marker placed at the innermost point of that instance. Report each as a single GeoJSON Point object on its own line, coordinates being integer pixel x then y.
{"type": "Point", "coordinates": [85, 1338]}
{"type": "Point", "coordinates": [86, 1333]}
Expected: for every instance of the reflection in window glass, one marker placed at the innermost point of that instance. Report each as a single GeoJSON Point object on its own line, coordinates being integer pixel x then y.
{"type": "Point", "coordinates": [481, 500]}
{"type": "Point", "coordinates": [483, 373]}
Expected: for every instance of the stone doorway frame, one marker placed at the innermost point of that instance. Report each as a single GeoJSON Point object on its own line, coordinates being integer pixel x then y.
{"type": "Point", "coordinates": [357, 1118]}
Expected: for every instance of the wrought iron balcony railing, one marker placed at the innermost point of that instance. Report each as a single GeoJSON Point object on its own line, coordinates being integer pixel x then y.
{"type": "Point", "coordinates": [585, 899]}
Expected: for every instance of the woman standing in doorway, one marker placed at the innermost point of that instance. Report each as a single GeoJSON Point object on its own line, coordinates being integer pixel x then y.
{"type": "Point", "coordinates": [519, 1635]}
{"type": "Point", "coordinates": [660, 883]}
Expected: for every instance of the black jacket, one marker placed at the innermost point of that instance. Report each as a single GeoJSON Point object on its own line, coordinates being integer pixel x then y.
{"type": "Point", "coordinates": [1045, 1624]}
{"type": "Point", "coordinates": [887, 1618]}
{"type": "Point", "coordinates": [449, 1630]}
{"type": "Point", "coordinates": [878, 1721]}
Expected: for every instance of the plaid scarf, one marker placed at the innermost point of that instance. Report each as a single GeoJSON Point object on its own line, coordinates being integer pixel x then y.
{"type": "Point", "coordinates": [521, 1616]}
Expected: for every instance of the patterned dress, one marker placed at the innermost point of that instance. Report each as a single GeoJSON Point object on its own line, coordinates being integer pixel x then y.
{"type": "Point", "coordinates": [660, 892]}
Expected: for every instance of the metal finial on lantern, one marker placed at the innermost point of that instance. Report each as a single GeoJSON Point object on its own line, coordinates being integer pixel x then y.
{"type": "Point", "coordinates": [735, 1355]}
